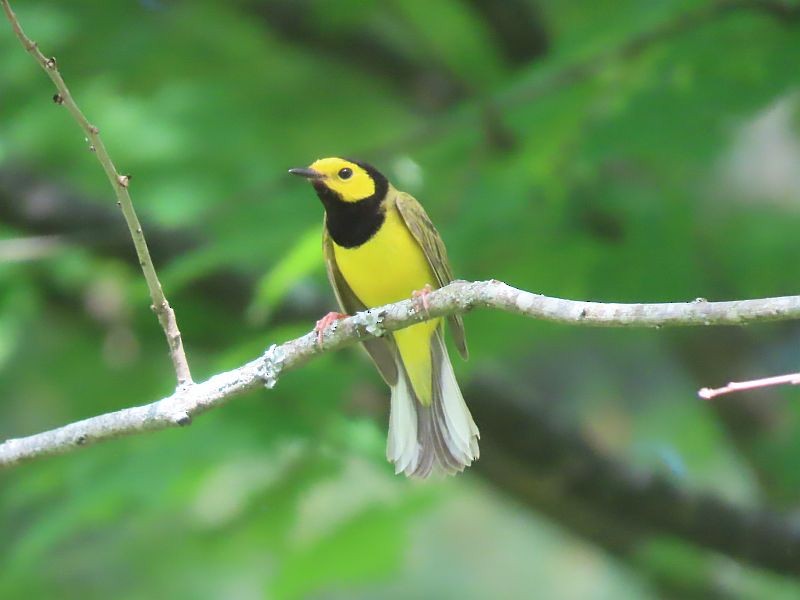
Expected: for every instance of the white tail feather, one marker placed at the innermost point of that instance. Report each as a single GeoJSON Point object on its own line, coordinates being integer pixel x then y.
{"type": "Point", "coordinates": [442, 434]}
{"type": "Point", "coordinates": [402, 448]}
{"type": "Point", "coordinates": [459, 423]}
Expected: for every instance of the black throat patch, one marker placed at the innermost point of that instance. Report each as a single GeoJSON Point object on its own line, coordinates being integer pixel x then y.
{"type": "Point", "coordinates": [351, 224]}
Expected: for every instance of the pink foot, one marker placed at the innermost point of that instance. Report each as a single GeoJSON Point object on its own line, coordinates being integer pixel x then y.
{"type": "Point", "coordinates": [326, 322]}
{"type": "Point", "coordinates": [420, 298]}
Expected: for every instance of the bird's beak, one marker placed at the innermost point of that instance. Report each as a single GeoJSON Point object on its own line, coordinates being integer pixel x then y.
{"type": "Point", "coordinates": [307, 173]}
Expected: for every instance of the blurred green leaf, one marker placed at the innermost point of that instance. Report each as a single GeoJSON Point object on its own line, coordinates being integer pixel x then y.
{"type": "Point", "coordinates": [300, 260]}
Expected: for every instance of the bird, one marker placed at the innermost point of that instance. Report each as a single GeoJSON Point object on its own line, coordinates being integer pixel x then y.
{"type": "Point", "coordinates": [381, 247]}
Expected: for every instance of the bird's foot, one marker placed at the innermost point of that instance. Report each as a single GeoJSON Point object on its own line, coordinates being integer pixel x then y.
{"type": "Point", "coordinates": [420, 298]}
{"type": "Point", "coordinates": [326, 322]}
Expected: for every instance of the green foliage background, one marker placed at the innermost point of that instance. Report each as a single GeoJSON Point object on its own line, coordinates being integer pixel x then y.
{"type": "Point", "coordinates": [609, 150]}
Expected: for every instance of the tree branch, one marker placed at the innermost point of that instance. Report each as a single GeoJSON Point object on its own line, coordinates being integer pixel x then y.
{"type": "Point", "coordinates": [458, 297]}
{"type": "Point", "coordinates": [166, 316]}
{"type": "Point", "coordinates": [753, 384]}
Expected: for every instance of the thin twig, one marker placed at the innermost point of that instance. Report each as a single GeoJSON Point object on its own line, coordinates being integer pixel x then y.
{"type": "Point", "coordinates": [458, 297]}
{"type": "Point", "coordinates": [162, 308]}
{"type": "Point", "coordinates": [740, 386]}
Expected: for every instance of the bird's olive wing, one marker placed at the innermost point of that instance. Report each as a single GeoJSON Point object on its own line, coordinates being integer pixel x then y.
{"type": "Point", "coordinates": [379, 349]}
{"type": "Point", "coordinates": [423, 230]}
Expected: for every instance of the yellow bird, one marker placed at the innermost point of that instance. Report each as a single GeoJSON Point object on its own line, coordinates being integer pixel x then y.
{"type": "Point", "coordinates": [380, 247]}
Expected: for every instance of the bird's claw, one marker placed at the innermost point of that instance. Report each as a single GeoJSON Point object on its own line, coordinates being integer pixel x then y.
{"type": "Point", "coordinates": [420, 298]}
{"type": "Point", "coordinates": [326, 322]}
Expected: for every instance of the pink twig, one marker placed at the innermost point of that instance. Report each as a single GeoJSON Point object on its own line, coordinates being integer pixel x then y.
{"type": "Point", "coordinates": [738, 386]}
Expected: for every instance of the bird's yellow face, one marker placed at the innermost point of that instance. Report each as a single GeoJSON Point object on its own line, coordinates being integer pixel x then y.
{"type": "Point", "coordinates": [349, 181]}
{"type": "Point", "coordinates": [354, 196]}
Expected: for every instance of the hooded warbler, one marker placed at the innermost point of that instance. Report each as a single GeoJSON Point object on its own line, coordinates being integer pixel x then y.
{"type": "Point", "coordinates": [380, 247]}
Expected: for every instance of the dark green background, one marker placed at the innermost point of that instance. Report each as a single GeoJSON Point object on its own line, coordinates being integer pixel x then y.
{"type": "Point", "coordinates": [606, 150]}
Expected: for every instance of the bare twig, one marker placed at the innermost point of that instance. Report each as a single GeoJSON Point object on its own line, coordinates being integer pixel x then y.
{"type": "Point", "coordinates": [740, 386]}
{"type": "Point", "coordinates": [458, 297]}
{"type": "Point", "coordinates": [120, 183]}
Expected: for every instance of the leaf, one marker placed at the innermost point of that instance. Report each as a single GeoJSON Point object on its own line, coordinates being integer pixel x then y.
{"type": "Point", "coordinates": [300, 261]}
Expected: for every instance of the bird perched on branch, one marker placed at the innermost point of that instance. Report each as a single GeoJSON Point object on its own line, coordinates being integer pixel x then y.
{"type": "Point", "coordinates": [380, 247]}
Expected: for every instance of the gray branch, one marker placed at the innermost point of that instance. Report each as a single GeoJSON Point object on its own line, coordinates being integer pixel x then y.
{"type": "Point", "coordinates": [458, 297]}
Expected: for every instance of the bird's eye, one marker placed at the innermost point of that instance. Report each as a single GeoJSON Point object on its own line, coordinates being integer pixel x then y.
{"type": "Point", "coordinates": [345, 173]}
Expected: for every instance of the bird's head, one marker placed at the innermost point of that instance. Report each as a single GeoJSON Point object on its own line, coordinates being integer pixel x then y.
{"type": "Point", "coordinates": [345, 180]}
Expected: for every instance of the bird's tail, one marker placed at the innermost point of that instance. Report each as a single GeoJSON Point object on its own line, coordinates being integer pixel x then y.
{"type": "Point", "coordinates": [441, 434]}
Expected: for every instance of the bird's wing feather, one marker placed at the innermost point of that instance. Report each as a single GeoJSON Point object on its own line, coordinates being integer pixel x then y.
{"type": "Point", "coordinates": [423, 230]}
{"type": "Point", "coordinates": [379, 349]}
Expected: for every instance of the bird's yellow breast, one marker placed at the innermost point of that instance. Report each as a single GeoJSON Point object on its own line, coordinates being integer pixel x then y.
{"type": "Point", "coordinates": [388, 266]}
